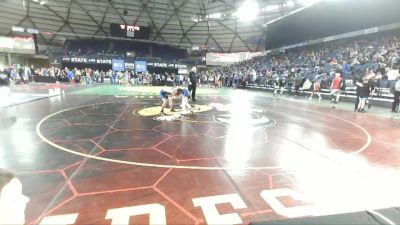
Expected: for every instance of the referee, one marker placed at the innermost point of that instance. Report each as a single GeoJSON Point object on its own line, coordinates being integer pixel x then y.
{"type": "Point", "coordinates": [192, 85]}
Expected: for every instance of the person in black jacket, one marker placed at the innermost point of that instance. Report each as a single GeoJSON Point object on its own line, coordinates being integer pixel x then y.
{"type": "Point", "coordinates": [358, 82]}
{"type": "Point", "coordinates": [192, 85]}
{"type": "Point", "coordinates": [396, 95]}
{"type": "Point", "coordinates": [5, 78]}
{"type": "Point", "coordinates": [364, 92]}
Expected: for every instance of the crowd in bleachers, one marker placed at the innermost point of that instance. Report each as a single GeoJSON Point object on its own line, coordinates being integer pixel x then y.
{"type": "Point", "coordinates": [121, 48]}
{"type": "Point", "coordinates": [376, 58]}
{"type": "Point", "coordinates": [24, 75]}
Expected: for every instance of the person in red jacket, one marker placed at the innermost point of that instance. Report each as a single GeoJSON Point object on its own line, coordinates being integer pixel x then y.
{"type": "Point", "coordinates": [336, 87]}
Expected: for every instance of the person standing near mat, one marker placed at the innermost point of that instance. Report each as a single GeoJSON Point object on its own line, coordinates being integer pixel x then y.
{"type": "Point", "coordinates": [396, 95]}
{"type": "Point", "coordinates": [279, 85]}
{"type": "Point", "coordinates": [359, 83]}
{"type": "Point", "coordinates": [316, 89]}
{"type": "Point", "coordinates": [192, 84]}
{"type": "Point", "coordinates": [5, 91]}
{"type": "Point", "coordinates": [336, 88]}
{"type": "Point", "coordinates": [363, 93]}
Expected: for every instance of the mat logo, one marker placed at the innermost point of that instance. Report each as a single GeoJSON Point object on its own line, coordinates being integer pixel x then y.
{"type": "Point", "coordinates": [227, 114]}
{"type": "Point", "coordinates": [157, 212]}
{"type": "Point", "coordinates": [121, 96]}
{"type": "Point", "coordinates": [235, 115]}
{"type": "Point", "coordinates": [170, 118]}
{"type": "Point", "coordinates": [178, 114]}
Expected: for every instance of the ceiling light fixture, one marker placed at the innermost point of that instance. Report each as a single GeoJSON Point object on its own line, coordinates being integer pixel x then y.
{"type": "Point", "coordinates": [248, 11]}
{"type": "Point", "coordinates": [270, 8]}
{"type": "Point", "coordinates": [308, 2]}
{"type": "Point", "coordinates": [290, 3]}
{"type": "Point", "coordinates": [215, 16]}
{"type": "Point", "coordinates": [42, 2]}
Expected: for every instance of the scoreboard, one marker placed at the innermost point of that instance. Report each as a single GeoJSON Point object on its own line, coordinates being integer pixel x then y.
{"type": "Point", "coordinates": [129, 31]}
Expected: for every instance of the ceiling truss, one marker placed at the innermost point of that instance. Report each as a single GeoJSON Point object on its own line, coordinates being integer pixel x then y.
{"type": "Point", "coordinates": [171, 21]}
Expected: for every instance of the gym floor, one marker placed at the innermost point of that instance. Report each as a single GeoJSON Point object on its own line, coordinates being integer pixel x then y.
{"type": "Point", "coordinates": [103, 155]}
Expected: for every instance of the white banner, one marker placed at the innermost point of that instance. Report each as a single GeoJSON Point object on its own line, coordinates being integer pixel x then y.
{"type": "Point", "coordinates": [23, 45]}
{"type": "Point", "coordinates": [222, 59]}
{"type": "Point", "coordinates": [6, 43]}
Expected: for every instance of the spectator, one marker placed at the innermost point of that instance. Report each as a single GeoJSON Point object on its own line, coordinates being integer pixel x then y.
{"type": "Point", "coordinates": [396, 95]}
{"type": "Point", "coordinates": [392, 76]}
{"type": "Point", "coordinates": [336, 87]}
{"type": "Point", "coordinates": [364, 92]}
{"type": "Point", "coordinates": [316, 89]}
{"type": "Point", "coordinates": [5, 91]}
{"type": "Point", "coordinates": [346, 69]}
{"type": "Point", "coordinates": [297, 84]}
{"type": "Point", "coordinates": [358, 82]}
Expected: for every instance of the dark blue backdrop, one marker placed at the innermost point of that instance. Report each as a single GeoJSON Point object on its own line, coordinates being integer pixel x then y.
{"type": "Point", "coordinates": [329, 18]}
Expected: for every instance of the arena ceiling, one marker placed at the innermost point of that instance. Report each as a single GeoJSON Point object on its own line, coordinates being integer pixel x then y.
{"type": "Point", "coordinates": [187, 23]}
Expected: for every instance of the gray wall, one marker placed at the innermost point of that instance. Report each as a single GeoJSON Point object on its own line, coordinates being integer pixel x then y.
{"type": "Point", "coordinates": [329, 18]}
{"type": "Point", "coordinates": [3, 60]}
